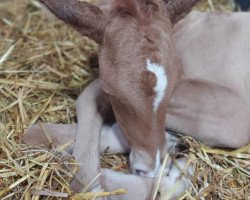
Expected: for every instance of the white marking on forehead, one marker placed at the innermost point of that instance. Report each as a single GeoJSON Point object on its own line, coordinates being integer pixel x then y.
{"type": "Point", "coordinates": [161, 83]}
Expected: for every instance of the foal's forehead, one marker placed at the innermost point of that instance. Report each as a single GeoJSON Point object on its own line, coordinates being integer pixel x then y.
{"type": "Point", "coordinates": [151, 83]}
{"type": "Point", "coordinates": [137, 8]}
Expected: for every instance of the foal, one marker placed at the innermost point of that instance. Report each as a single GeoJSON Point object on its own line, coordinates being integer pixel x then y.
{"type": "Point", "coordinates": [206, 102]}
{"type": "Point", "coordinates": [139, 71]}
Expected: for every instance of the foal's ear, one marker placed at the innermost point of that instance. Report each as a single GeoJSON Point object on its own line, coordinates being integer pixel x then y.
{"type": "Point", "coordinates": [86, 18]}
{"type": "Point", "coordinates": [178, 9]}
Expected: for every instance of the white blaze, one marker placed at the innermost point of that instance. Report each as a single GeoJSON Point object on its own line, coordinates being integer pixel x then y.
{"type": "Point", "coordinates": [155, 172]}
{"type": "Point", "coordinates": [161, 82]}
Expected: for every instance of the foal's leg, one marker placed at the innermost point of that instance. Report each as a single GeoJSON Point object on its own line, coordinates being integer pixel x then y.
{"type": "Point", "coordinates": [59, 133]}
{"type": "Point", "coordinates": [138, 188]}
{"type": "Point", "coordinates": [92, 107]}
{"type": "Point", "coordinates": [111, 137]}
{"type": "Point", "coordinates": [171, 187]}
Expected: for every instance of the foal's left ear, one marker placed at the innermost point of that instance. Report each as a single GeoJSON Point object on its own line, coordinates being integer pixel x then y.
{"type": "Point", "coordinates": [86, 18]}
{"type": "Point", "coordinates": [178, 9]}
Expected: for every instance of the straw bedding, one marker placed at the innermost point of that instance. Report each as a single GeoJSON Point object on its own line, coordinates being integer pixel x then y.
{"type": "Point", "coordinates": [44, 65]}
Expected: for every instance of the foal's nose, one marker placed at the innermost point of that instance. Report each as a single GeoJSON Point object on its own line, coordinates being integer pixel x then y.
{"type": "Point", "coordinates": [141, 164]}
{"type": "Point", "coordinates": [140, 172]}
{"type": "Point", "coordinates": [151, 173]}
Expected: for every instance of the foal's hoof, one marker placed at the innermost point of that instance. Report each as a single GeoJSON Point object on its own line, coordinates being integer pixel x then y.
{"type": "Point", "coordinates": [77, 186]}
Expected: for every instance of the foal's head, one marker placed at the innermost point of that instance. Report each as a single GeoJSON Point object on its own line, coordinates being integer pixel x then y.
{"type": "Point", "coordinates": [138, 65]}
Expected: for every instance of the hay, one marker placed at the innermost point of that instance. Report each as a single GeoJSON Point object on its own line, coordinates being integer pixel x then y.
{"type": "Point", "coordinates": [43, 67]}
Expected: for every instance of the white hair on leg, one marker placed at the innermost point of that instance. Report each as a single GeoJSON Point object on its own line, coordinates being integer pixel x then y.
{"type": "Point", "coordinates": [173, 185]}
{"type": "Point", "coordinates": [172, 143]}
{"type": "Point", "coordinates": [161, 83]}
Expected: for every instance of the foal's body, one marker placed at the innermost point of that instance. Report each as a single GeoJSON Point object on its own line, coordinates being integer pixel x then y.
{"type": "Point", "coordinates": [211, 102]}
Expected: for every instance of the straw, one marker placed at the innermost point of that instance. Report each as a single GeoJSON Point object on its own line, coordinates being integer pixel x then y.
{"type": "Point", "coordinates": [44, 65]}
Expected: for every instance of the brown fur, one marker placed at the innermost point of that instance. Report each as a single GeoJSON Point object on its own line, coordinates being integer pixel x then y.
{"type": "Point", "coordinates": [86, 18]}
{"type": "Point", "coordinates": [147, 82]}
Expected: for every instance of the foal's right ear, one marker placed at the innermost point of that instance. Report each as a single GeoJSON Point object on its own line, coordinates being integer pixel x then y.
{"type": "Point", "coordinates": [86, 18]}
{"type": "Point", "coordinates": [177, 9]}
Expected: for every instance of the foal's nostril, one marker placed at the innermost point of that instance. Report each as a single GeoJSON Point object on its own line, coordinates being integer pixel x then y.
{"type": "Point", "coordinates": [140, 172]}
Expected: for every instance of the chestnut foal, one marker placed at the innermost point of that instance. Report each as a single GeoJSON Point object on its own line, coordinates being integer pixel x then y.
{"type": "Point", "coordinates": [207, 104]}
{"type": "Point", "coordinates": [139, 71]}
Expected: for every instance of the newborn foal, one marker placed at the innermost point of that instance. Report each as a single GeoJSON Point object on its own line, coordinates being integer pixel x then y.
{"type": "Point", "coordinates": [207, 104]}
{"type": "Point", "coordinates": [138, 71]}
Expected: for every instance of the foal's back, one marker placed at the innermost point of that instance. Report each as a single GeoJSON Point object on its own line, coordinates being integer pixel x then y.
{"type": "Point", "coordinates": [212, 101]}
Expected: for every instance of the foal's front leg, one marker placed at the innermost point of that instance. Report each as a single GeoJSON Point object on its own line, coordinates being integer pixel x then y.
{"type": "Point", "coordinates": [60, 134]}
{"type": "Point", "coordinates": [172, 185]}
{"type": "Point", "coordinates": [92, 106]}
